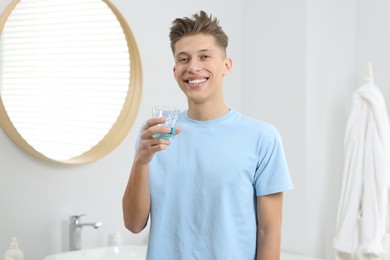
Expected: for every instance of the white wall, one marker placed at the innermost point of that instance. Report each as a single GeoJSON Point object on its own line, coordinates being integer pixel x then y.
{"type": "Point", "coordinates": [330, 82]}
{"type": "Point", "coordinates": [373, 42]}
{"type": "Point", "coordinates": [295, 64]}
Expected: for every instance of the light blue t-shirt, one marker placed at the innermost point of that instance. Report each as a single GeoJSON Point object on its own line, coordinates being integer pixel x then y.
{"type": "Point", "coordinates": [204, 186]}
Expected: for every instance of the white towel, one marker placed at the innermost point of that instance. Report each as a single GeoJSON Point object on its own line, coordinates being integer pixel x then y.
{"type": "Point", "coordinates": [363, 210]}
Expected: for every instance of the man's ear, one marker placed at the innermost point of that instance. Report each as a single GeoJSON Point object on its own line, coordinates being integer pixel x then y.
{"type": "Point", "coordinates": [228, 66]}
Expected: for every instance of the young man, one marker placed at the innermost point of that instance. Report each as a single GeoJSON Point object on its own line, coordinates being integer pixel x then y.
{"type": "Point", "coordinates": [215, 192]}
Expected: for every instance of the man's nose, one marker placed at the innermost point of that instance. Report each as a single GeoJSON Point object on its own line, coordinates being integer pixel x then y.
{"type": "Point", "coordinates": [194, 65]}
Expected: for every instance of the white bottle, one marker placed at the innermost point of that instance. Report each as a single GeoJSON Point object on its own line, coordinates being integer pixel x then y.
{"type": "Point", "coordinates": [14, 251]}
{"type": "Point", "coordinates": [115, 239]}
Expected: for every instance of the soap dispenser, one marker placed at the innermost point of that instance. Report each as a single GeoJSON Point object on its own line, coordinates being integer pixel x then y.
{"type": "Point", "coordinates": [14, 251]}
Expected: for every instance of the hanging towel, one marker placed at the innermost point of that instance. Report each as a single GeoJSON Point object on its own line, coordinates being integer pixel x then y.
{"type": "Point", "coordinates": [363, 209]}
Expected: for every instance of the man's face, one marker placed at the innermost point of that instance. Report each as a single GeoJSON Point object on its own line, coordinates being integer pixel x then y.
{"type": "Point", "coordinates": [200, 65]}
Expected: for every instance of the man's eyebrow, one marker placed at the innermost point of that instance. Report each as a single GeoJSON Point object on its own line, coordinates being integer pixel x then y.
{"type": "Point", "coordinates": [186, 53]}
{"type": "Point", "coordinates": [181, 53]}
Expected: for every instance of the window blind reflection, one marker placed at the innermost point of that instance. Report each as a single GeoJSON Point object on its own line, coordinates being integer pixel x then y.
{"type": "Point", "coordinates": [65, 74]}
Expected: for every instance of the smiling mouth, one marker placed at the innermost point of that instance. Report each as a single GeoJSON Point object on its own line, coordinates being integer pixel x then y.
{"type": "Point", "coordinates": [196, 81]}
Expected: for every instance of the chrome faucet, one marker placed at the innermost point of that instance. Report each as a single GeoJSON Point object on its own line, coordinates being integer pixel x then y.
{"type": "Point", "coordinates": [75, 228]}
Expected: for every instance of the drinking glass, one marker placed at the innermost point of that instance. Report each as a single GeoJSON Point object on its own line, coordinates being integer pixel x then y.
{"type": "Point", "coordinates": [170, 114]}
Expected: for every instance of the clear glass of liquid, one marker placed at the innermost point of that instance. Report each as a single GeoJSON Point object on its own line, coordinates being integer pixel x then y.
{"type": "Point", "coordinates": [170, 114]}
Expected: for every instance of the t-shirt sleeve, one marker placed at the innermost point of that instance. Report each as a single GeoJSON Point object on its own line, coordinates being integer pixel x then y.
{"type": "Point", "coordinates": [272, 174]}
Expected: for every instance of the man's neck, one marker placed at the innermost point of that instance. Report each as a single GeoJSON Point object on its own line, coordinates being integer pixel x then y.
{"type": "Point", "coordinates": [203, 112]}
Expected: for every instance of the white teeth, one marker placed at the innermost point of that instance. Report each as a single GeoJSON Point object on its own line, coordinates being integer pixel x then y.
{"type": "Point", "coordinates": [196, 81]}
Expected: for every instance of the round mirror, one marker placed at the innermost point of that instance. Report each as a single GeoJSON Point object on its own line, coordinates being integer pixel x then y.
{"type": "Point", "coordinates": [70, 78]}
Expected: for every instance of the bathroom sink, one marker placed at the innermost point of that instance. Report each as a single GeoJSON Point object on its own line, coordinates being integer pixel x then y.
{"type": "Point", "coordinates": [132, 252]}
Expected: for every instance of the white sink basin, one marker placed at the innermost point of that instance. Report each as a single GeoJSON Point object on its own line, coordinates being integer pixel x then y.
{"type": "Point", "coordinates": [132, 252]}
